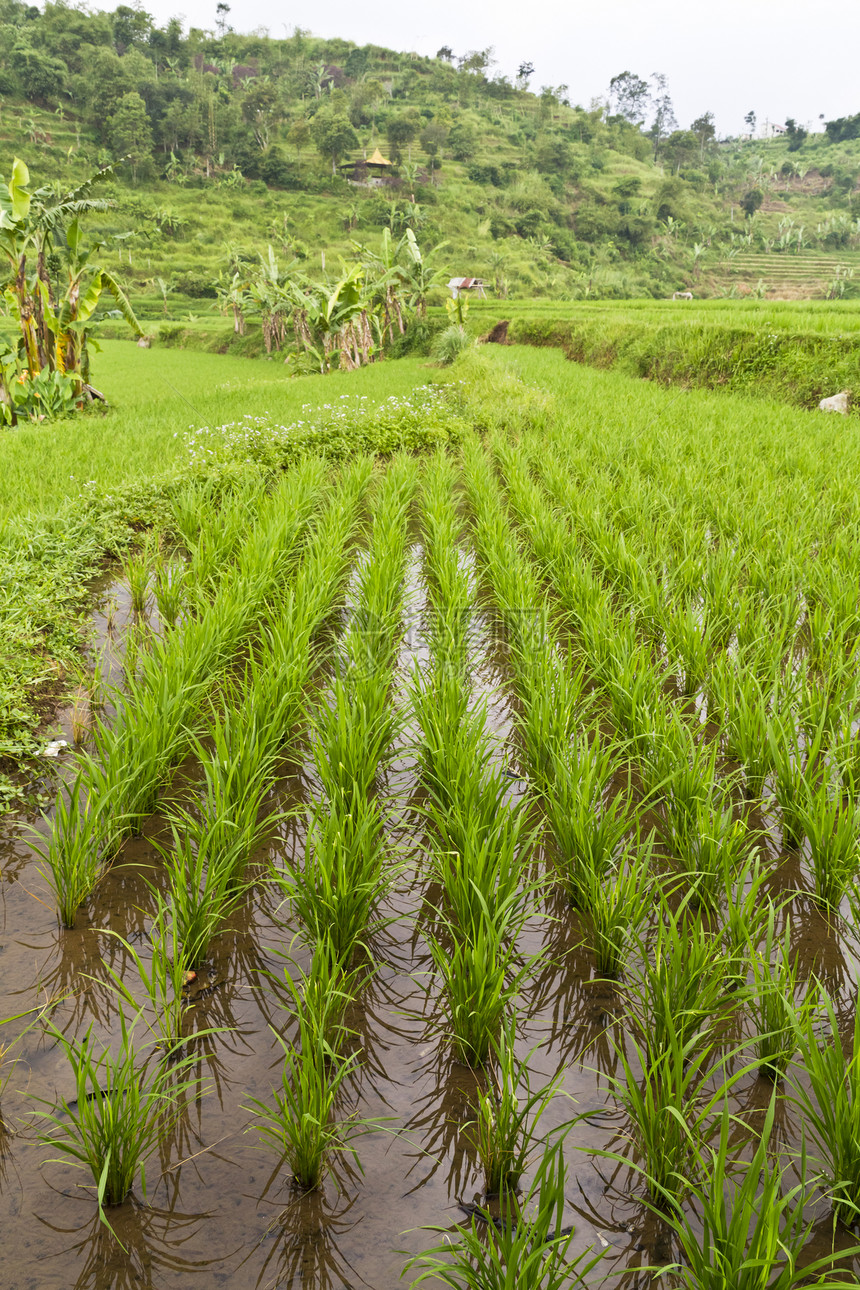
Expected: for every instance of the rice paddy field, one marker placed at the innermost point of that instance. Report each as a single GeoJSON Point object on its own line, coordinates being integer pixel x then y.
{"type": "Point", "coordinates": [450, 872]}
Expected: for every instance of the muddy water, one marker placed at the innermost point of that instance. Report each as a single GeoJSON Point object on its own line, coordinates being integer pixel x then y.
{"type": "Point", "coordinates": [220, 1209]}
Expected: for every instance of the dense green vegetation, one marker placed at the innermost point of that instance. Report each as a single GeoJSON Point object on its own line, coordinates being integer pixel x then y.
{"type": "Point", "coordinates": [460, 769]}
{"type": "Point", "coordinates": [240, 142]}
{"type": "Point", "coordinates": [590, 833]}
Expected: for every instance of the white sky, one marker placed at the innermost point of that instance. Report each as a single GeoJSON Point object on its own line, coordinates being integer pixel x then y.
{"type": "Point", "coordinates": [779, 57]}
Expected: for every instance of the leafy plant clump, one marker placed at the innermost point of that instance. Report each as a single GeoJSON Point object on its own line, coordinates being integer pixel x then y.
{"type": "Point", "coordinates": [428, 418]}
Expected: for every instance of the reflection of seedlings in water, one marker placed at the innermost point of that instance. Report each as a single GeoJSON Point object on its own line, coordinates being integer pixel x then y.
{"type": "Point", "coordinates": [437, 1124]}
{"type": "Point", "coordinates": [147, 1241]}
{"type": "Point", "coordinates": [304, 1241]}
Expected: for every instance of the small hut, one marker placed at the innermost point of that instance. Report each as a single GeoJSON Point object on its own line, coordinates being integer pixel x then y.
{"type": "Point", "coordinates": [476, 285]}
{"type": "Point", "coordinates": [372, 171]}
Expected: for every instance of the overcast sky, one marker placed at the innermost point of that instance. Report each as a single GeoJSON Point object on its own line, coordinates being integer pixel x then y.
{"type": "Point", "coordinates": [779, 57]}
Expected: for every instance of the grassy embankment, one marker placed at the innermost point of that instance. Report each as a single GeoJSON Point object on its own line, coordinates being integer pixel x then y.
{"type": "Point", "coordinates": [797, 352]}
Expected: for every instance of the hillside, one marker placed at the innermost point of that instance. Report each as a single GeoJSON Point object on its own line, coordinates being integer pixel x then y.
{"type": "Point", "coordinates": [236, 143]}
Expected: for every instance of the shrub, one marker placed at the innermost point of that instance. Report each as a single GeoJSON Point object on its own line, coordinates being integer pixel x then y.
{"type": "Point", "coordinates": [450, 343]}
{"type": "Point", "coordinates": [197, 285]}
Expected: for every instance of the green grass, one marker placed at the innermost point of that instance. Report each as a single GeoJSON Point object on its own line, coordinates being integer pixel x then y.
{"type": "Point", "coordinates": [155, 396]}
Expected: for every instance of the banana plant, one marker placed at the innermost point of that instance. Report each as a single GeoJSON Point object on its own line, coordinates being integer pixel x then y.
{"type": "Point", "coordinates": [53, 331]}
{"type": "Point", "coordinates": [333, 320]}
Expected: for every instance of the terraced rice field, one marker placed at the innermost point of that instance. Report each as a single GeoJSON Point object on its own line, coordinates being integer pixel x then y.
{"type": "Point", "coordinates": [462, 874]}
{"type": "Point", "coordinates": [788, 276]}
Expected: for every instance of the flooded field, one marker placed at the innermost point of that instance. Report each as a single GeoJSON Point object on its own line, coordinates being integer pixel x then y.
{"type": "Point", "coordinates": [474, 776]}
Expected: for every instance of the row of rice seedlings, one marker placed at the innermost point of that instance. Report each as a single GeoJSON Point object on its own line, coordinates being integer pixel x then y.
{"type": "Point", "coordinates": [703, 551]}
{"type": "Point", "coordinates": [775, 514]}
{"type": "Point", "coordinates": [674, 1066]}
{"type": "Point", "coordinates": [115, 788]}
{"type": "Point", "coordinates": [709, 844]}
{"type": "Point", "coordinates": [690, 604]}
{"type": "Point", "coordinates": [480, 842]}
{"type": "Point", "coordinates": [302, 1124]}
{"type": "Point", "coordinates": [137, 568]}
{"type": "Point", "coordinates": [170, 584]}
{"type": "Point", "coordinates": [773, 1051]}
{"type": "Point", "coordinates": [214, 840]}
{"type": "Point", "coordinates": [710, 603]}
{"type": "Point", "coordinates": [747, 1220]}
{"type": "Point", "coordinates": [507, 1114]}
{"type": "Point", "coordinates": [336, 891]}
{"type": "Point", "coordinates": [570, 767]}
{"type": "Point", "coordinates": [343, 876]}
{"type": "Point", "coordinates": [823, 698]}
{"type": "Point", "coordinates": [159, 713]}
{"type": "Point", "coordinates": [212, 524]}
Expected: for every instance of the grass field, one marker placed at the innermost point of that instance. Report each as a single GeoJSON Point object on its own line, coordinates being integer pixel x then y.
{"type": "Point", "coordinates": [155, 396]}
{"type": "Point", "coordinates": [461, 874]}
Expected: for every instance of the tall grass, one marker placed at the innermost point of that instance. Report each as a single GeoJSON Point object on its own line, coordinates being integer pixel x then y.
{"type": "Point", "coordinates": [121, 1110]}
{"type": "Point", "coordinates": [750, 1229]}
{"type": "Point", "coordinates": [507, 1114]}
{"type": "Point", "coordinates": [529, 1247]}
{"type": "Point", "coordinates": [825, 1087]}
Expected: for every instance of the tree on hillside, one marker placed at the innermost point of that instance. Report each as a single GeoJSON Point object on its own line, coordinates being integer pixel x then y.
{"type": "Point", "coordinates": [524, 72]}
{"type": "Point", "coordinates": [704, 130]}
{"type": "Point", "coordinates": [463, 141]}
{"type": "Point", "coordinates": [796, 134]}
{"type": "Point", "coordinates": [42, 78]}
{"type": "Point", "coordinates": [400, 131]}
{"type": "Point", "coordinates": [333, 136]}
{"type": "Point", "coordinates": [664, 121]}
{"type": "Point", "coordinates": [131, 26]}
{"type": "Point", "coordinates": [446, 54]}
{"type": "Point", "coordinates": [103, 85]}
{"type": "Point", "coordinates": [261, 108]}
{"type": "Point", "coordinates": [680, 149]}
{"type": "Point", "coordinates": [629, 96]}
{"type": "Point", "coordinates": [751, 202]}
{"type": "Point", "coordinates": [477, 60]}
{"type": "Point", "coordinates": [750, 120]}
{"type": "Point", "coordinates": [129, 131]}
{"type": "Point", "coordinates": [299, 135]}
